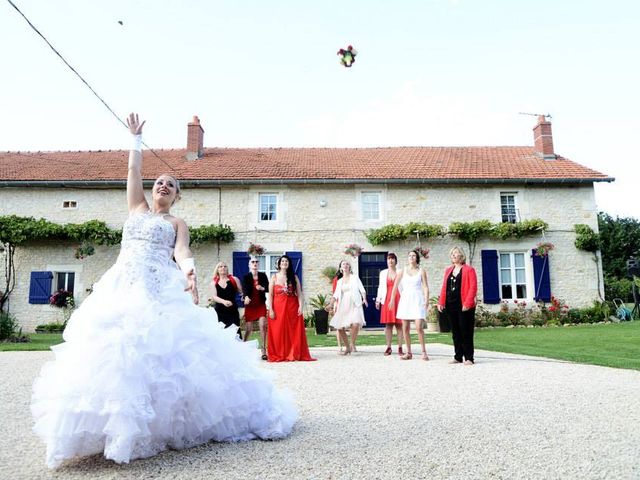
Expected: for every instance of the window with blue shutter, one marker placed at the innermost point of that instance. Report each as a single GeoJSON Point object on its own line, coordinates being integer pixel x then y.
{"type": "Point", "coordinates": [240, 269]}
{"type": "Point", "coordinates": [296, 259]}
{"type": "Point", "coordinates": [40, 287]}
{"type": "Point", "coordinates": [541, 278]}
{"type": "Point", "coordinates": [490, 280]}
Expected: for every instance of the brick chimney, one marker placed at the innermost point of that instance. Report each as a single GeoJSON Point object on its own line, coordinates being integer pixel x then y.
{"type": "Point", "coordinates": [543, 139]}
{"type": "Point", "coordinates": [195, 138]}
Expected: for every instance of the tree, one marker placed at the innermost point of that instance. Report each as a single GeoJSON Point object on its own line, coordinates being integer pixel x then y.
{"type": "Point", "coordinates": [619, 241]}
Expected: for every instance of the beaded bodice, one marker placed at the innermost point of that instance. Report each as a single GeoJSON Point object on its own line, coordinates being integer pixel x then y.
{"type": "Point", "coordinates": [147, 250]}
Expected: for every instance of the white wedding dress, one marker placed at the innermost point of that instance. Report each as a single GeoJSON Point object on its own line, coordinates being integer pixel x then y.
{"type": "Point", "coordinates": [143, 369]}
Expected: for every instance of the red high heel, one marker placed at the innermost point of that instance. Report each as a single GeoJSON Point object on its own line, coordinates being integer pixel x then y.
{"type": "Point", "coordinates": [387, 352]}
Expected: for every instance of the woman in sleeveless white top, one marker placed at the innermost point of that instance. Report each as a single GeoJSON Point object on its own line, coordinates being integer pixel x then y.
{"type": "Point", "coordinates": [142, 368]}
{"type": "Point", "coordinates": [414, 301]}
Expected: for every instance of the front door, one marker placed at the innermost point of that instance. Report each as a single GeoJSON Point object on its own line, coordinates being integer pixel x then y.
{"type": "Point", "coordinates": [369, 267]}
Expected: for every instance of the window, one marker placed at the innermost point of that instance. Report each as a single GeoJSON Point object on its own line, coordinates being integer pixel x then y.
{"type": "Point", "coordinates": [69, 204]}
{"type": "Point", "coordinates": [370, 205]}
{"type": "Point", "coordinates": [267, 263]}
{"type": "Point", "coordinates": [268, 207]}
{"type": "Point", "coordinates": [64, 281]}
{"type": "Point", "coordinates": [508, 207]}
{"type": "Point", "coordinates": [513, 276]}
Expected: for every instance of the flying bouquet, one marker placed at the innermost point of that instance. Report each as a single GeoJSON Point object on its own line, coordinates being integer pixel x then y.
{"type": "Point", "coordinates": [423, 252]}
{"type": "Point", "coordinates": [347, 56]}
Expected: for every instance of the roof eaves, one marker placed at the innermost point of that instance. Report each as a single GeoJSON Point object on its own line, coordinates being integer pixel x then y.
{"type": "Point", "coordinates": [117, 183]}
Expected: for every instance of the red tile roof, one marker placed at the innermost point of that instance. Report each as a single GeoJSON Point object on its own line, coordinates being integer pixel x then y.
{"type": "Point", "coordinates": [248, 165]}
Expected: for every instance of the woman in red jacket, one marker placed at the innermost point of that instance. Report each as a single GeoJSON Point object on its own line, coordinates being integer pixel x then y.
{"type": "Point", "coordinates": [458, 300]}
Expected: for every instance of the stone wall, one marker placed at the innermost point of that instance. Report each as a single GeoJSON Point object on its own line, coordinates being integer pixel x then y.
{"type": "Point", "coordinates": [318, 220]}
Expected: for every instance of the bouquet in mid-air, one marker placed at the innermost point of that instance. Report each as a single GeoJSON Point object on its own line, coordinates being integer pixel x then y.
{"type": "Point", "coordinates": [347, 56]}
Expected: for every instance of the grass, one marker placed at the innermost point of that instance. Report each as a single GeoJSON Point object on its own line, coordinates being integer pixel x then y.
{"type": "Point", "coordinates": [610, 345]}
{"type": "Point", "coordinates": [39, 341]}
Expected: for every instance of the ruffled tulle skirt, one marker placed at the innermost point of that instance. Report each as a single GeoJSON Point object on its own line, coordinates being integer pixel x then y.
{"type": "Point", "coordinates": [141, 373]}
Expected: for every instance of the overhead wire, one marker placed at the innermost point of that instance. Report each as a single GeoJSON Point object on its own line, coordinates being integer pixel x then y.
{"type": "Point", "coordinates": [35, 29]}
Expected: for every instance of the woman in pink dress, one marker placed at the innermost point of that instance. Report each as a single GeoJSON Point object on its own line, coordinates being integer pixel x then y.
{"type": "Point", "coordinates": [388, 315]}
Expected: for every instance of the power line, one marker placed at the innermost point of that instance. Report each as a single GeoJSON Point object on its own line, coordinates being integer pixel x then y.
{"type": "Point", "coordinates": [82, 79]}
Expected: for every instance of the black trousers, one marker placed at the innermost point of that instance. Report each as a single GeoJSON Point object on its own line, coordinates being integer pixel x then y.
{"type": "Point", "coordinates": [462, 328]}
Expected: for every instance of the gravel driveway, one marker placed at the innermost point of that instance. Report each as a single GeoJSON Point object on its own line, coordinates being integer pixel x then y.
{"type": "Point", "coordinates": [369, 416]}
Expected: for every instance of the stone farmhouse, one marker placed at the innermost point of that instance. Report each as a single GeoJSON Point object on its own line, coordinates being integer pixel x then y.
{"type": "Point", "coordinates": [310, 203]}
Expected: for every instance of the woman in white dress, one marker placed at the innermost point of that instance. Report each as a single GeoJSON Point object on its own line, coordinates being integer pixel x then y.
{"type": "Point", "coordinates": [346, 306]}
{"type": "Point", "coordinates": [142, 368]}
{"type": "Point", "coordinates": [414, 301]}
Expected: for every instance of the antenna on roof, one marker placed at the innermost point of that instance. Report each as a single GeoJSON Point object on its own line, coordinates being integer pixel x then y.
{"type": "Point", "coordinates": [547, 115]}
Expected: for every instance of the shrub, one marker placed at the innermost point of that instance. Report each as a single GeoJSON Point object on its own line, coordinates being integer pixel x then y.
{"type": "Point", "coordinates": [618, 288]}
{"type": "Point", "coordinates": [10, 331]}
{"type": "Point", "coordinates": [51, 327]}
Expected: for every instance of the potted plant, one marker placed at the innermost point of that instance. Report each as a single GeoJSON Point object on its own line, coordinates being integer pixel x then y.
{"type": "Point", "coordinates": [432, 316]}
{"type": "Point", "coordinates": [318, 303]}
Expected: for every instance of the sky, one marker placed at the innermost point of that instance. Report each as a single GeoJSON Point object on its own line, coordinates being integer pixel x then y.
{"type": "Point", "coordinates": [265, 73]}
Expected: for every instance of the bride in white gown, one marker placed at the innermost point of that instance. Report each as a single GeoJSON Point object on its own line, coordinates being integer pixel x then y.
{"type": "Point", "coordinates": [142, 368]}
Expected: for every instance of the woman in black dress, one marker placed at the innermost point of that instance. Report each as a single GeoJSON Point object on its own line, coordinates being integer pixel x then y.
{"type": "Point", "coordinates": [224, 288]}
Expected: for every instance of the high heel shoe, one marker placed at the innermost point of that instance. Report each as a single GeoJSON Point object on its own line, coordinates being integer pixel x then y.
{"type": "Point", "coordinates": [400, 351]}
{"type": "Point", "coordinates": [407, 356]}
{"type": "Point", "coordinates": [346, 352]}
{"type": "Point", "coordinates": [425, 357]}
{"type": "Point", "coordinates": [387, 352]}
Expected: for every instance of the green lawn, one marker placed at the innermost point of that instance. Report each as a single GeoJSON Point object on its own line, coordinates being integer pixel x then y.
{"type": "Point", "coordinates": [612, 345]}
{"type": "Point", "coordinates": [39, 341]}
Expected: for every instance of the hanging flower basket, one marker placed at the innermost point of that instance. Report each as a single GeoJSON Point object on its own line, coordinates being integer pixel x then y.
{"type": "Point", "coordinates": [543, 248]}
{"type": "Point", "coordinates": [84, 250]}
{"type": "Point", "coordinates": [62, 299]}
{"type": "Point", "coordinates": [424, 252]}
{"type": "Point", "coordinates": [353, 249]}
{"type": "Point", "coordinates": [255, 249]}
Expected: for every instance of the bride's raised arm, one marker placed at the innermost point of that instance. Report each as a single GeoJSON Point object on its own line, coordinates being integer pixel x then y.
{"type": "Point", "coordinates": [135, 192]}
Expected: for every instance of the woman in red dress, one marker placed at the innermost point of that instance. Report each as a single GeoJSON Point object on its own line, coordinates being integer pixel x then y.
{"type": "Point", "coordinates": [387, 315]}
{"type": "Point", "coordinates": [287, 339]}
{"type": "Point", "coordinates": [255, 284]}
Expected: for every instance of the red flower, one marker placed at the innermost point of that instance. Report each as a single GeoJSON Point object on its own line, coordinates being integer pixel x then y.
{"type": "Point", "coordinates": [552, 308]}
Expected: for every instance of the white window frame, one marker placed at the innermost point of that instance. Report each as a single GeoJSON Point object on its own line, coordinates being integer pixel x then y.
{"type": "Point", "coordinates": [528, 284]}
{"type": "Point", "coordinates": [265, 261]}
{"type": "Point", "coordinates": [516, 210]}
{"type": "Point", "coordinates": [363, 212]}
{"type": "Point", "coordinates": [78, 286]}
{"type": "Point", "coordinates": [276, 213]}
{"type": "Point", "coordinates": [56, 278]}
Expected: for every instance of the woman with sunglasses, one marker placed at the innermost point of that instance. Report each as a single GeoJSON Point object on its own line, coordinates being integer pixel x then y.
{"type": "Point", "coordinates": [255, 285]}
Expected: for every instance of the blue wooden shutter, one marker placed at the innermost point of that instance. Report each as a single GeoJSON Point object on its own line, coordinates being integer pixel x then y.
{"type": "Point", "coordinates": [240, 269]}
{"type": "Point", "coordinates": [296, 259]}
{"type": "Point", "coordinates": [490, 281]}
{"type": "Point", "coordinates": [40, 287]}
{"type": "Point", "coordinates": [541, 278]}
